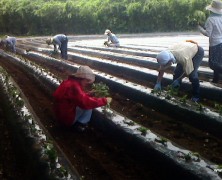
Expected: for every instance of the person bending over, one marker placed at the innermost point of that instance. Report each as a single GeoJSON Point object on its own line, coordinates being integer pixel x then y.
{"type": "Point", "coordinates": [188, 57]}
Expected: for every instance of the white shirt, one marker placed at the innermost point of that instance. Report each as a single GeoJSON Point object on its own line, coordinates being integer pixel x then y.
{"type": "Point", "coordinates": [213, 29]}
{"type": "Point", "coordinates": [184, 53]}
{"type": "Point", "coordinates": [112, 37]}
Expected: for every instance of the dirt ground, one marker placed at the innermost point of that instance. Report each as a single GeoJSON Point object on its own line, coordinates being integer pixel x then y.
{"type": "Point", "coordinates": [95, 154]}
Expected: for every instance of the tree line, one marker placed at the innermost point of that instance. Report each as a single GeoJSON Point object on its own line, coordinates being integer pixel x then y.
{"type": "Point", "coordinates": [44, 17]}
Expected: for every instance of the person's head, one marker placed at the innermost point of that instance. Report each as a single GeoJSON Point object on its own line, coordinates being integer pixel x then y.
{"type": "Point", "coordinates": [215, 7]}
{"type": "Point", "coordinates": [164, 57]}
{"type": "Point", "coordinates": [3, 42]}
{"type": "Point", "coordinates": [107, 32]}
{"type": "Point", "coordinates": [49, 41]}
{"type": "Point", "coordinates": [85, 74]}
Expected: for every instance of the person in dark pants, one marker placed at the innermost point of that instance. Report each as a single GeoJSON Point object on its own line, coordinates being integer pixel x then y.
{"type": "Point", "coordinates": [213, 30]}
{"type": "Point", "coordinates": [62, 41]}
{"type": "Point", "coordinates": [9, 43]}
{"type": "Point", "coordinates": [188, 57]}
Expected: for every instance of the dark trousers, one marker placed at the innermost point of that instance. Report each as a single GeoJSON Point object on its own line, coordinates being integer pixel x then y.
{"type": "Point", "coordinates": [215, 61]}
{"type": "Point", "coordinates": [63, 48]}
{"type": "Point", "coordinates": [193, 77]}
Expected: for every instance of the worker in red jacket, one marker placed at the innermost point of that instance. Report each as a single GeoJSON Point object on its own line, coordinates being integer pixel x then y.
{"type": "Point", "coordinates": [71, 103]}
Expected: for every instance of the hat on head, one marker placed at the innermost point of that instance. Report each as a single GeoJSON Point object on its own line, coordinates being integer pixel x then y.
{"type": "Point", "coordinates": [85, 72]}
{"type": "Point", "coordinates": [49, 41]}
{"type": "Point", "coordinates": [164, 57]}
{"type": "Point", "coordinates": [107, 31]}
{"type": "Point", "coordinates": [215, 7]}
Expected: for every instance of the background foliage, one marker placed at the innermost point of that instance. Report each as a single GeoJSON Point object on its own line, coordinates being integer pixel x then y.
{"type": "Point", "coordinates": [42, 17]}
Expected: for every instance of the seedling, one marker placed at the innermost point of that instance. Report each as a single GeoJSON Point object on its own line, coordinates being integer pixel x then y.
{"type": "Point", "coordinates": [157, 92]}
{"type": "Point", "coordinates": [161, 140]}
{"type": "Point", "coordinates": [183, 100]}
{"type": "Point", "coordinates": [143, 130]}
{"type": "Point", "coordinates": [172, 91]}
{"type": "Point", "coordinates": [197, 155]}
{"type": "Point", "coordinates": [200, 107]}
{"type": "Point", "coordinates": [51, 152]}
{"type": "Point", "coordinates": [187, 157]}
{"type": "Point", "coordinates": [62, 172]}
{"type": "Point", "coordinates": [219, 108]}
{"type": "Point", "coordinates": [130, 123]}
{"type": "Point", "coordinates": [100, 89]}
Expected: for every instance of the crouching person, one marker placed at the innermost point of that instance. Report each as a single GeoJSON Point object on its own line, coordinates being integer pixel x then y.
{"type": "Point", "coordinates": [188, 57]}
{"type": "Point", "coordinates": [112, 40]}
{"type": "Point", "coordinates": [72, 105]}
{"type": "Point", "coordinates": [61, 41]}
{"type": "Point", "coordinates": [9, 43]}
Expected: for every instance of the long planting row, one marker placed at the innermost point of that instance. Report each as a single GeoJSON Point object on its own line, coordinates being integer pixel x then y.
{"type": "Point", "coordinates": [138, 74]}
{"type": "Point", "coordinates": [188, 164]}
{"type": "Point", "coordinates": [47, 161]}
{"type": "Point", "coordinates": [140, 69]}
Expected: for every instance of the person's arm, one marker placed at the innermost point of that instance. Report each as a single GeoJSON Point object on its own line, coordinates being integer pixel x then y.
{"type": "Point", "coordinates": [56, 42]}
{"type": "Point", "coordinates": [160, 76]}
{"type": "Point", "coordinates": [162, 69]}
{"type": "Point", "coordinates": [207, 30]}
{"type": "Point", "coordinates": [202, 30]}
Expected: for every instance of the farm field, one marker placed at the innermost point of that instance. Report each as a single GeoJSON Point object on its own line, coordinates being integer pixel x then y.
{"type": "Point", "coordinates": [101, 154]}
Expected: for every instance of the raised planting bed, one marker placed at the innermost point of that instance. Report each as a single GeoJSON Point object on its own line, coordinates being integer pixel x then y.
{"type": "Point", "coordinates": [188, 165]}
{"type": "Point", "coordinates": [142, 75]}
{"type": "Point", "coordinates": [176, 130]}
{"type": "Point", "coordinates": [199, 115]}
{"type": "Point", "coordinates": [43, 158]}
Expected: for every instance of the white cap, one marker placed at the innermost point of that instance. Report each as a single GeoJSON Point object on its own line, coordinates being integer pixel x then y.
{"type": "Point", "coordinates": [164, 57]}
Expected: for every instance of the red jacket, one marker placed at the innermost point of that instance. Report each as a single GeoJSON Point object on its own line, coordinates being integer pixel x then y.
{"type": "Point", "coordinates": [68, 96]}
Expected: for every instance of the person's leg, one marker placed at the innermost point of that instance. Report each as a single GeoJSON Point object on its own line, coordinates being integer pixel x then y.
{"type": "Point", "coordinates": [178, 72]}
{"type": "Point", "coordinates": [83, 116]}
{"type": "Point", "coordinates": [215, 61]}
{"type": "Point", "coordinates": [63, 49]}
{"type": "Point", "coordinates": [197, 59]}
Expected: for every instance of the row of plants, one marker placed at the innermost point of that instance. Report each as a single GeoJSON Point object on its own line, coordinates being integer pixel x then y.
{"type": "Point", "coordinates": [102, 89]}
{"type": "Point", "coordinates": [26, 17]}
{"type": "Point", "coordinates": [210, 116]}
{"type": "Point", "coordinates": [48, 156]}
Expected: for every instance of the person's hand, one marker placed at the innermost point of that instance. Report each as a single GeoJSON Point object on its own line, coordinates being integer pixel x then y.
{"type": "Point", "coordinates": [157, 87]}
{"type": "Point", "coordinates": [176, 84]}
{"type": "Point", "coordinates": [106, 43]}
{"type": "Point", "coordinates": [109, 100]}
{"type": "Point", "coordinates": [199, 27]}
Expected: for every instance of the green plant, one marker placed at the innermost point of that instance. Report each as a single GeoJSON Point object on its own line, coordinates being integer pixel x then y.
{"type": "Point", "coordinates": [219, 108]}
{"type": "Point", "coordinates": [197, 155]}
{"type": "Point", "coordinates": [157, 92]}
{"type": "Point", "coordinates": [200, 107]}
{"type": "Point", "coordinates": [187, 157]}
{"type": "Point", "coordinates": [161, 140]}
{"type": "Point", "coordinates": [143, 130]}
{"type": "Point", "coordinates": [130, 123]}
{"type": "Point", "coordinates": [51, 152]}
{"type": "Point", "coordinates": [172, 91]}
{"type": "Point", "coordinates": [183, 100]}
{"type": "Point", "coordinates": [100, 89]}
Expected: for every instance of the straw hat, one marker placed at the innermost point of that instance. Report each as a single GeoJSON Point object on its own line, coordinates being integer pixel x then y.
{"type": "Point", "coordinates": [215, 7]}
{"type": "Point", "coordinates": [85, 72]}
{"type": "Point", "coordinates": [107, 31]}
{"type": "Point", "coordinates": [49, 41]}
